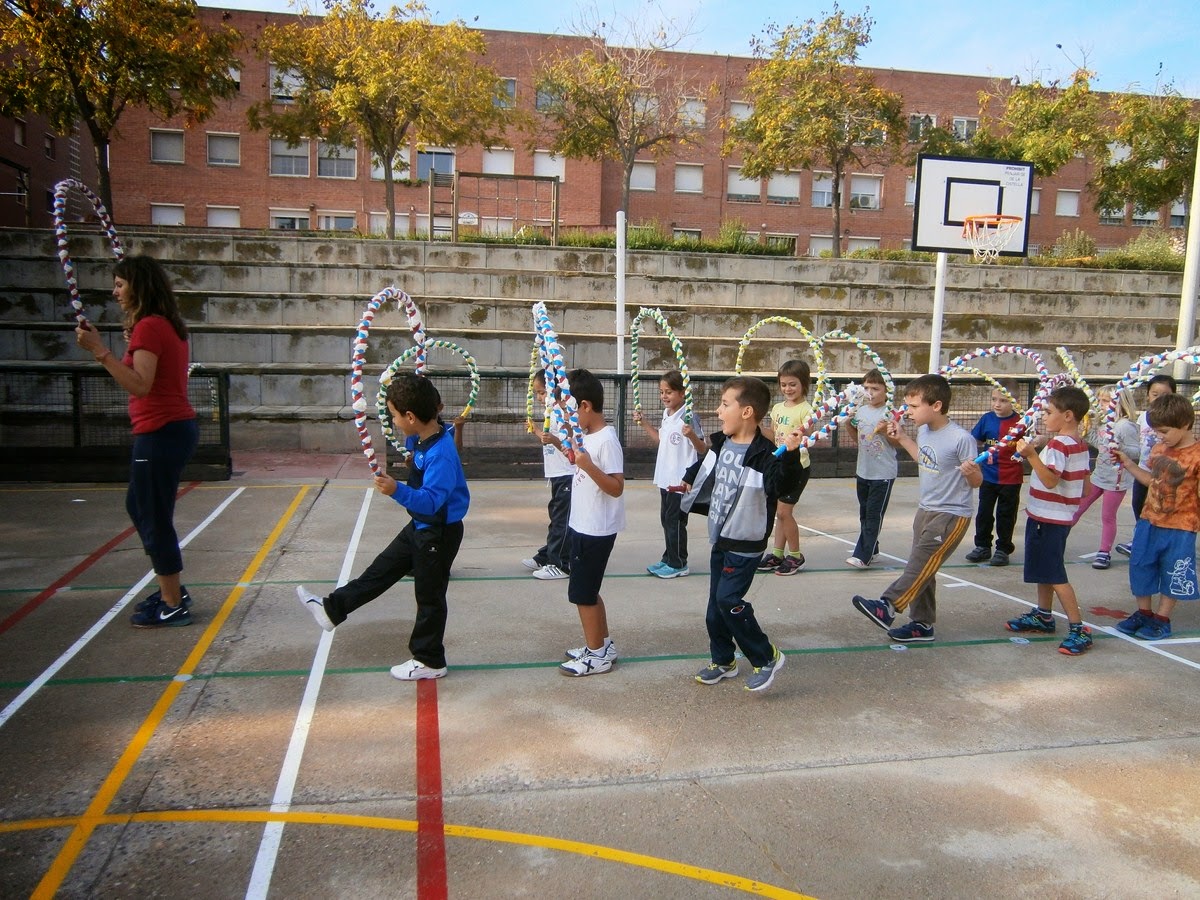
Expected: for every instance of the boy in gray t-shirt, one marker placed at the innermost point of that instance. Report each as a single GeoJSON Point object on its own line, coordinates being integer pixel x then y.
{"type": "Point", "coordinates": [945, 455]}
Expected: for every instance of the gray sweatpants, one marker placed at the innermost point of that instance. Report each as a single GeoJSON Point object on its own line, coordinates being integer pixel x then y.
{"type": "Point", "coordinates": [935, 536]}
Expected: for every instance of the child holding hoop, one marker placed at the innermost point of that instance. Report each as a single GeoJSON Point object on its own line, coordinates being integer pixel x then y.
{"type": "Point", "coordinates": [787, 416]}
{"type": "Point", "coordinates": [552, 562]}
{"type": "Point", "coordinates": [1000, 493]}
{"type": "Point", "coordinates": [875, 468]}
{"type": "Point", "coordinates": [680, 444]}
{"type": "Point", "coordinates": [436, 498]}
{"type": "Point", "coordinates": [1156, 387]}
{"type": "Point", "coordinates": [1110, 481]}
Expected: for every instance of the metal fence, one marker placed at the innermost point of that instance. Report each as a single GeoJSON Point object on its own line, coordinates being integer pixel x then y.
{"type": "Point", "coordinates": [67, 424]}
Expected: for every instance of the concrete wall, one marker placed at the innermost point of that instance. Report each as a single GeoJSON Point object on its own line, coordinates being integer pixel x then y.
{"type": "Point", "coordinates": [279, 312]}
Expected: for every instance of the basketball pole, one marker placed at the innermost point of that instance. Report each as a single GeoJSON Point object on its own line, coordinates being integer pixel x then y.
{"type": "Point", "coordinates": [620, 323]}
{"type": "Point", "coordinates": [1191, 272]}
{"type": "Point", "coordinates": [939, 309]}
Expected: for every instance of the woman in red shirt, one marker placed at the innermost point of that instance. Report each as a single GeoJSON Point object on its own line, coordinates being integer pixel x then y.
{"type": "Point", "coordinates": [165, 432]}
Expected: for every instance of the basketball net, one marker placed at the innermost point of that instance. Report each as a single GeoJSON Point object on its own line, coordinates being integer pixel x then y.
{"type": "Point", "coordinates": [988, 235]}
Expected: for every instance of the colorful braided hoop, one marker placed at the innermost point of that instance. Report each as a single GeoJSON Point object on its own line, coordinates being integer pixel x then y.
{"type": "Point", "coordinates": [635, 331]}
{"type": "Point", "coordinates": [60, 234]}
{"type": "Point", "coordinates": [385, 379]}
{"type": "Point", "coordinates": [550, 353]}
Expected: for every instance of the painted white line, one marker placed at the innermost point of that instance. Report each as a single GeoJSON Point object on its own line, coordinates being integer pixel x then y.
{"type": "Point", "coordinates": [69, 654]}
{"type": "Point", "coordinates": [1152, 646]}
{"type": "Point", "coordinates": [285, 789]}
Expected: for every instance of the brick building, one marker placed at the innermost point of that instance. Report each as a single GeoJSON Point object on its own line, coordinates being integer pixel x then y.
{"type": "Point", "coordinates": [222, 174]}
{"type": "Point", "coordinates": [33, 159]}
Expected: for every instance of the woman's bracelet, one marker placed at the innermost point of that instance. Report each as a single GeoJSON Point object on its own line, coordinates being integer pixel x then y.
{"type": "Point", "coordinates": [103, 356]}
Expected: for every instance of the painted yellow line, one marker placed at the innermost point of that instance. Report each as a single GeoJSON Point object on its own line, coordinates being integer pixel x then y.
{"type": "Point", "coordinates": [82, 832]}
{"type": "Point", "coordinates": [380, 823]}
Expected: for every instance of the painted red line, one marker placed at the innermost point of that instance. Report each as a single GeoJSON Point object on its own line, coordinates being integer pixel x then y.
{"type": "Point", "coordinates": [431, 837]}
{"type": "Point", "coordinates": [83, 566]}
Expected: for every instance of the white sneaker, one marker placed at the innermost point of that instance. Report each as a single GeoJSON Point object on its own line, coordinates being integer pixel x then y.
{"type": "Point", "coordinates": [550, 572]}
{"type": "Point", "coordinates": [591, 663]}
{"type": "Point", "coordinates": [610, 651]}
{"type": "Point", "coordinates": [415, 671]}
{"type": "Point", "coordinates": [857, 563]}
{"type": "Point", "coordinates": [530, 564]}
{"type": "Point", "coordinates": [316, 606]}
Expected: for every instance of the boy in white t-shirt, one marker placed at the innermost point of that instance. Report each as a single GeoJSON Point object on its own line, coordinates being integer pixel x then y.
{"type": "Point", "coordinates": [680, 442]}
{"type": "Point", "coordinates": [553, 561]}
{"type": "Point", "coordinates": [597, 514]}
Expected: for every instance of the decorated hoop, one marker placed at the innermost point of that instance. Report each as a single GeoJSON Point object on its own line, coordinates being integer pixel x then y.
{"type": "Point", "coordinates": [385, 379]}
{"type": "Point", "coordinates": [1030, 415]}
{"type": "Point", "coordinates": [837, 334]}
{"type": "Point", "coordinates": [60, 234]}
{"type": "Point", "coordinates": [550, 353]}
{"type": "Point", "coordinates": [358, 354]}
{"type": "Point", "coordinates": [818, 359]}
{"type": "Point", "coordinates": [635, 331]}
{"type": "Point", "coordinates": [1140, 371]}
{"type": "Point", "coordinates": [988, 235]}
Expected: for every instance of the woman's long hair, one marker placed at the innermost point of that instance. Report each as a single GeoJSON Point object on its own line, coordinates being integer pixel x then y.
{"type": "Point", "coordinates": [151, 292]}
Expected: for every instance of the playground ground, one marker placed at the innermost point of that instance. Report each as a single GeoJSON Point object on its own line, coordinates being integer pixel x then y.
{"type": "Point", "coordinates": [251, 755]}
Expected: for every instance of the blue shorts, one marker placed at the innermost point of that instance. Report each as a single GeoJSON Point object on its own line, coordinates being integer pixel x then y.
{"type": "Point", "coordinates": [1163, 561]}
{"type": "Point", "coordinates": [1045, 552]}
{"type": "Point", "coordinates": [589, 559]}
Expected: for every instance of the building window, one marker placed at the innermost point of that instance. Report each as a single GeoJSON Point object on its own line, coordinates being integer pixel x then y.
{"type": "Point", "coordinates": [783, 187]}
{"type": "Point", "coordinates": [438, 159]}
{"type": "Point", "coordinates": [377, 223]}
{"type": "Point", "coordinates": [336, 160]}
{"type": "Point", "coordinates": [546, 99]}
{"type": "Point", "coordinates": [495, 225]}
{"type": "Point", "coordinates": [689, 178]}
{"type": "Point", "coordinates": [685, 234]}
{"type": "Point", "coordinates": [1145, 217]}
{"type": "Point", "coordinates": [691, 113]}
{"type": "Point", "coordinates": [336, 221]}
{"type": "Point", "coordinates": [742, 190]}
{"type": "Point", "coordinates": [166, 213]}
{"type": "Point", "coordinates": [546, 163]}
{"type": "Point", "coordinates": [822, 190]}
{"type": "Point", "coordinates": [1035, 201]}
{"type": "Point", "coordinates": [782, 242]}
{"type": "Point", "coordinates": [498, 161]}
{"type": "Point", "coordinates": [861, 243]}
{"type": "Point", "coordinates": [918, 124]}
{"type": "Point", "coordinates": [399, 166]}
{"type": "Point", "coordinates": [1112, 216]}
{"type": "Point", "coordinates": [289, 219]}
{"type": "Point", "coordinates": [224, 150]}
{"type": "Point", "coordinates": [1066, 203]}
{"type": "Point", "coordinates": [48, 146]}
{"type": "Point", "coordinates": [910, 191]}
{"type": "Point", "coordinates": [19, 136]}
{"type": "Point", "coordinates": [740, 111]}
{"type": "Point", "coordinates": [285, 84]}
{"type": "Point", "coordinates": [287, 160]}
{"type": "Point", "coordinates": [224, 217]}
{"type": "Point", "coordinates": [1178, 214]}
{"type": "Point", "coordinates": [507, 97]}
{"type": "Point", "coordinates": [235, 75]}
{"type": "Point", "coordinates": [964, 128]}
{"type": "Point", "coordinates": [21, 191]}
{"type": "Point", "coordinates": [166, 146]}
{"type": "Point", "coordinates": [642, 178]}
{"type": "Point", "coordinates": [820, 243]}
{"type": "Point", "coordinates": [865, 191]}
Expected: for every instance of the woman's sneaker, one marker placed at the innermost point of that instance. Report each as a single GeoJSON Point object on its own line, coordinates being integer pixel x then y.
{"type": "Point", "coordinates": [161, 616]}
{"type": "Point", "coordinates": [1102, 560]}
{"type": "Point", "coordinates": [1131, 625]}
{"type": "Point", "coordinates": [152, 601]}
{"type": "Point", "coordinates": [714, 672]}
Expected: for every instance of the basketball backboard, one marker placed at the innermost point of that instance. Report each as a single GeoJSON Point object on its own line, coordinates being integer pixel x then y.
{"type": "Point", "coordinates": [950, 188]}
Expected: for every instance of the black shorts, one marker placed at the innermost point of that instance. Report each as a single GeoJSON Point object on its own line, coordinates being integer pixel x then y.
{"type": "Point", "coordinates": [589, 559]}
{"type": "Point", "coordinates": [794, 497]}
{"type": "Point", "coordinates": [1045, 552]}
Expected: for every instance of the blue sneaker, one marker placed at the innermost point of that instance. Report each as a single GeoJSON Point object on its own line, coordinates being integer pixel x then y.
{"type": "Point", "coordinates": [1031, 621]}
{"type": "Point", "coordinates": [665, 571]}
{"type": "Point", "coordinates": [1076, 642]}
{"type": "Point", "coordinates": [878, 611]}
{"type": "Point", "coordinates": [1154, 630]}
{"type": "Point", "coordinates": [1131, 625]}
{"type": "Point", "coordinates": [161, 616]}
{"type": "Point", "coordinates": [762, 676]}
{"type": "Point", "coordinates": [153, 600]}
{"type": "Point", "coordinates": [913, 632]}
{"type": "Point", "coordinates": [714, 672]}
{"type": "Point", "coordinates": [654, 567]}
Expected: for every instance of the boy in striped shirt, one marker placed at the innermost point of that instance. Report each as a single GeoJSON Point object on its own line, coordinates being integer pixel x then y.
{"type": "Point", "coordinates": [1058, 483]}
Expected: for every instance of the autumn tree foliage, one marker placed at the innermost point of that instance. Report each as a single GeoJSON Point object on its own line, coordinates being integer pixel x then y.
{"type": "Point", "coordinates": [88, 61]}
{"type": "Point", "coordinates": [358, 75]}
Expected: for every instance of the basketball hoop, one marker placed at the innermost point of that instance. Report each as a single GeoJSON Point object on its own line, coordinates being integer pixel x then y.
{"type": "Point", "coordinates": [988, 235]}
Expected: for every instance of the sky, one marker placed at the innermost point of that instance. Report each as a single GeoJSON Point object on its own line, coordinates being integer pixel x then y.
{"type": "Point", "coordinates": [1131, 45]}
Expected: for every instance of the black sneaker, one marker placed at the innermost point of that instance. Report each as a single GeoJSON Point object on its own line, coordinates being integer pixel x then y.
{"type": "Point", "coordinates": [154, 599]}
{"type": "Point", "coordinates": [999, 558]}
{"type": "Point", "coordinates": [979, 554]}
{"type": "Point", "coordinates": [161, 616]}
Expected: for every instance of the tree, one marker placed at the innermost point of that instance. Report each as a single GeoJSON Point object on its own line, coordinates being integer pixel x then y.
{"type": "Point", "coordinates": [619, 102]}
{"type": "Point", "coordinates": [380, 79]}
{"type": "Point", "coordinates": [72, 61]}
{"type": "Point", "coordinates": [812, 107]}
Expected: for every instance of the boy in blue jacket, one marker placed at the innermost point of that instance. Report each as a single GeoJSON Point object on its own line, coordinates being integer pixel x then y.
{"type": "Point", "coordinates": [738, 484]}
{"type": "Point", "coordinates": [437, 498]}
